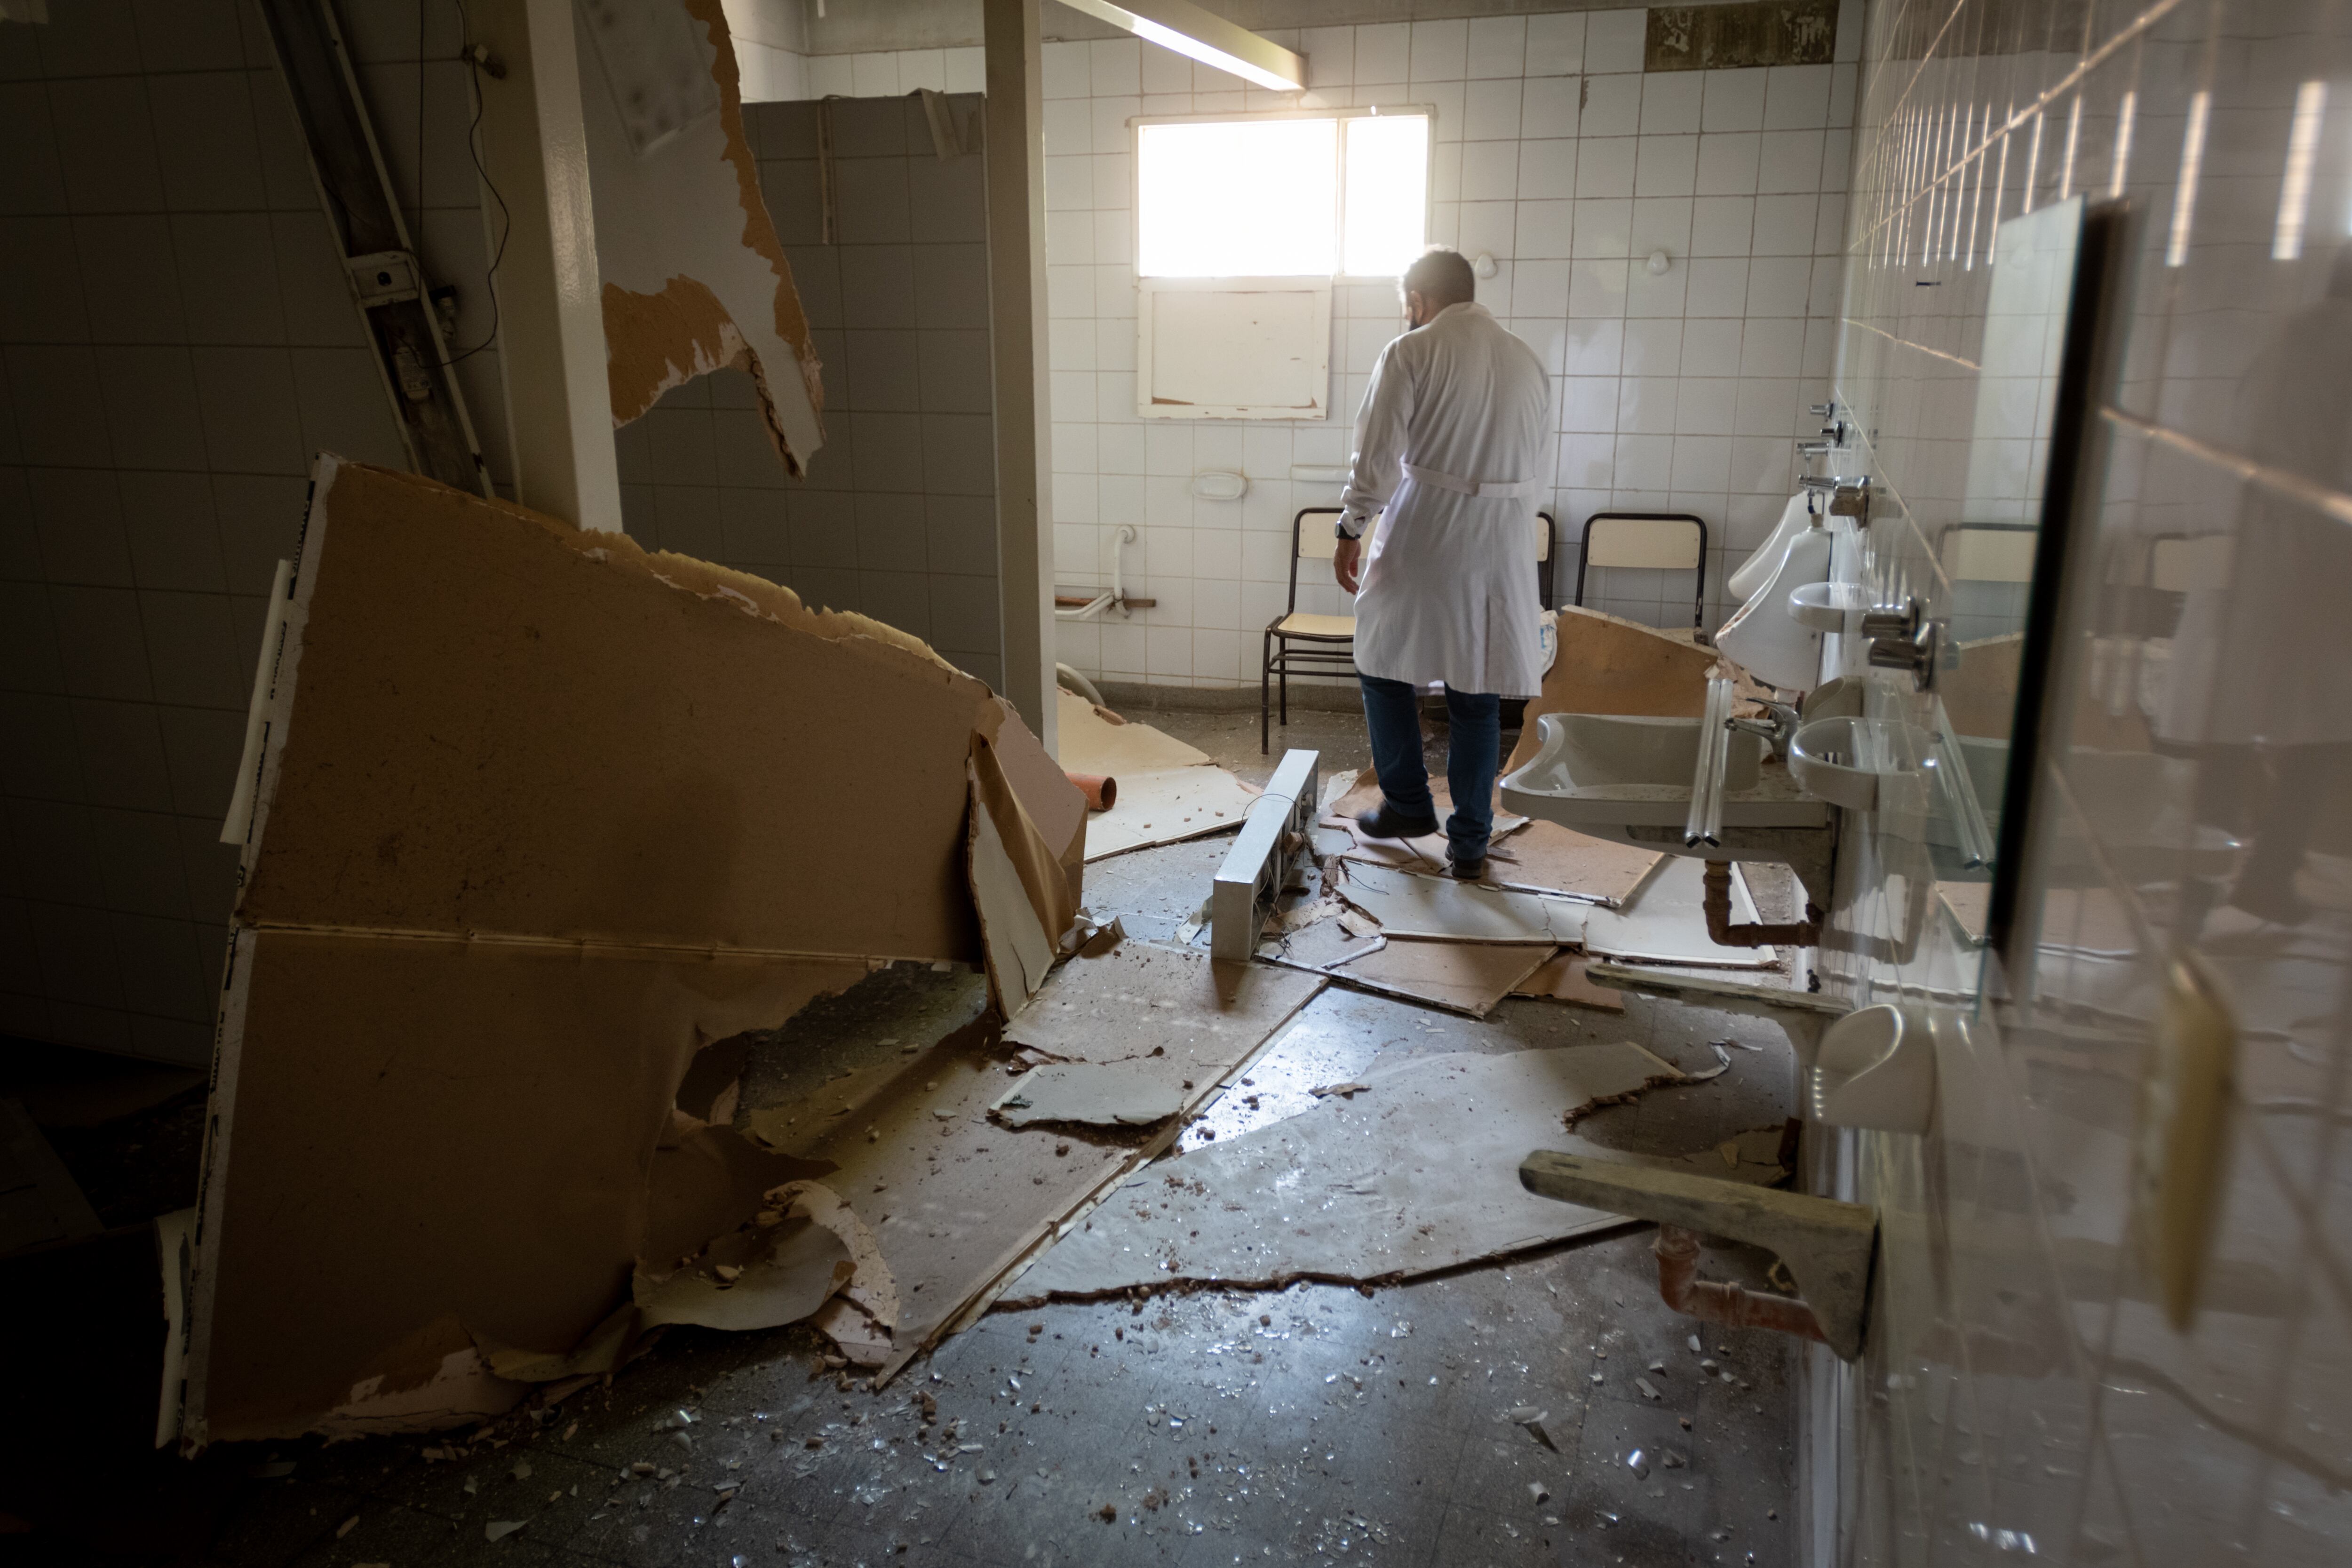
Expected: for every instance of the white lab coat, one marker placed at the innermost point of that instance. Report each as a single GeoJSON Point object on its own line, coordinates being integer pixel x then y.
{"type": "Point", "coordinates": [1448, 587]}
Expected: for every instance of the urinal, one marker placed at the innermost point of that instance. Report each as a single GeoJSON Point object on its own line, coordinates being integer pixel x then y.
{"type": "Point", "coordinates": [1764, 636]}
{"type": "Point", "coordinates": [1795, 518]}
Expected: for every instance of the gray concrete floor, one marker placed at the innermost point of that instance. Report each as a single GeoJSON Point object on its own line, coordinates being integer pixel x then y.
{"type": "Point", "coordinates": [1214, 1427]}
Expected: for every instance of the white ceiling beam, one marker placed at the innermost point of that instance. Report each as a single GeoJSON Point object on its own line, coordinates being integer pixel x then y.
{"type": "Point", "coordinates": [1181, 26]}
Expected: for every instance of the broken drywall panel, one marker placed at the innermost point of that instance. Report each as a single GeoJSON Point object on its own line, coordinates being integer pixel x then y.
{"type": "Point", "coordinates": [419, 1132]}
{"type": "Point", "coordinates": [1416, 1175]}
{"type": "Point", "coordinates": [694, 276]}
{"type": "Point", "coordinates": [1180, 1012]}
{"type": "Point", "coordinates": [1017, 946]}
{"type": "Point", "coordinates": [1096, 740]}
{"type": "Point", "coordinates": [1407, 904]}
{"type": "Point", "coordinates": [771, 1272]}
{"type": "Point", "coordinates": [954, 1200]}
{"type": "Point", "coordinates": [612, 722]}
{"type": "Point", "coordinates": [1562, 979]}
{"type": "Point", "coordinates": [1611, 665]}
{"type": "Point", "coordinates": [1664, 921]}
{"type": "Point", "coordinates": [1547, 857]}
{"type": "Point", "coordinates": [531, 815]}
{"type": "Point", "coordinates": [1461, 976]}
{"type": "Point", "coordinates": [1167, 808]}
{"type": "Point", "coordinates": [1168, 791]}
{"type": "Point", "coordinates": [1083, 1094]}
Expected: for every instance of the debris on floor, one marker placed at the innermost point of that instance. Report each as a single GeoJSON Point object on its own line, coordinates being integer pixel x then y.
{"type": "Point", "coordinates": [1417, 1175]}
{"type": "Point", "coordinates": [1442, 908]}
{"type": "Point", "coordinates": [1168, 791]}
{"type": "Point", "coordinates": [1525, 854]}
{"type": "Point", "coordinates": [1462, 977]}
{"type": "Point", "coordinates": [1562, 979]}
{"type": "Point", "coordinates": [956, 1197]}
{"type": "Point", "coordinates": [1084, 1093]}
{"type": "Point", "coordinates": [1664, 921]}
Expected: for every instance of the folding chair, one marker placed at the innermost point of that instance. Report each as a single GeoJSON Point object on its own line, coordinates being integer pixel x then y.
{"type": "Point", "coordinates": [1668, 541]}
{"type": "Point", "coordinates": [1330, 640]}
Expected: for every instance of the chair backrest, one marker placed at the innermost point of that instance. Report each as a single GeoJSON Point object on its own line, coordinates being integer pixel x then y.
{"type": "Point", "coordinates": [1668, 541]}
{"type": "Point", "coordinates": [2183, 562]}
{"type": "Point", "coordinates": [1321, 543]}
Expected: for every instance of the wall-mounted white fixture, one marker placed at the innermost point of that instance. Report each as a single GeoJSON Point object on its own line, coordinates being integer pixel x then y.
{"type": "Point", "coordinates": [1485, 265]}
{"type": "Point", "coordinates": [1863, 764]}
{"type": "Point", "coordinates": [1876, 1070]}
{"type": "Point", "coordinates": [1319, 474]}
{"type": "Point", "coordinates": [1824, 606]}
{"type": "Point", "coordinates": [1218, 484]}
{"type": "Point", "coordinates": [1659, 262]}
{"type": "Point", "coordinates": [1764, 636]}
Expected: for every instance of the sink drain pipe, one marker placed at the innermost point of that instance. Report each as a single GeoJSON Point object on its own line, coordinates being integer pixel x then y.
{"type": "Point", "coordinates": [1736, 1306]}
{"type": "Point", "coordinates": [1724, 933]}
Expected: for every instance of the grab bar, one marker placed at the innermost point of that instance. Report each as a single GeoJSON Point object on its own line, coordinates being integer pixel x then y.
{"type": "Point", "coordinates": [1704, 825]}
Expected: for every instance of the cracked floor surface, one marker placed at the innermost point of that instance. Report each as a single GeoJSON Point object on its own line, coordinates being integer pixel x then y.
{"type": "Point", "coordinates": [1322, 1421]}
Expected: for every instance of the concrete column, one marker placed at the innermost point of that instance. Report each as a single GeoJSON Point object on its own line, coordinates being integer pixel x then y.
{"type": "Point", "coordinates": [1017, 283]}
{"type": "Point", "coordinates": [549, 294]}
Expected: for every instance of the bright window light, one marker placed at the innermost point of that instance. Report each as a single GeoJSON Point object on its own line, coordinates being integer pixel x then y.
{"type": "Point", "coordinates": [2123, 144]}
{"type": "Point", "coordinates": [2302, 147]}
{"type": "Point", "coordinates": [1387, 214]}
{"type": "Point", "coordinates": [1263, 198]}
{"type": "Point", "coordinates": [1249, 198]}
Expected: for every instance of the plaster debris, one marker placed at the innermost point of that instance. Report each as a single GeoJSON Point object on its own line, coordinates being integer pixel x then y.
{"type": "Point", "coordinates": [1168, 791]}
{"type": "Point", "coordinates": [1442, 909]}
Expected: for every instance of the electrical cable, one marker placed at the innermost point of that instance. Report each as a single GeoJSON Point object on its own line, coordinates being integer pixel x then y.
{"type": "Point", "coordinates": [474, 151]}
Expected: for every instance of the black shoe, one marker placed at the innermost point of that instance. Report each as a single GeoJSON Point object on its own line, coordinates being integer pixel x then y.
{"type": "Point", "coordinates": [1466, 870]}
{"type": "Point", "coordinates": [1384, 821]}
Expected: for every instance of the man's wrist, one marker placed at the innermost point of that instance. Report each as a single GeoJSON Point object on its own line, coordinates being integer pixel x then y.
{"type": "Point", "coordinates": [1340, 529]}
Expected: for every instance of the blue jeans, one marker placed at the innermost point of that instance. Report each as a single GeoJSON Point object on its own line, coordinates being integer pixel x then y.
{"type": "Point", "coordinates": [1392, 714]}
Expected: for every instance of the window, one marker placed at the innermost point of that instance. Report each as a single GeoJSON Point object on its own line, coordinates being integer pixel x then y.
{"type": "Point", "coordinates": [1282, 196]}
{"type": "Point", "coordinates": [1241, 227]}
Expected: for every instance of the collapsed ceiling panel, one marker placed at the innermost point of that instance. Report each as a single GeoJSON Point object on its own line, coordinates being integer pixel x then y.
{"type": "Point", "coordinates": [694, 276]}
{"type": "Point", "coordinates": [536, 818]}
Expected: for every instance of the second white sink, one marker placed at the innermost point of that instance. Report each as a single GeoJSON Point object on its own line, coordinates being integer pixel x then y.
{"type": "Point", "coordinates": [1602, 773]}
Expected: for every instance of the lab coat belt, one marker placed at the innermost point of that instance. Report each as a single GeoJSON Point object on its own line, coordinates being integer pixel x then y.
{"type": "Point", "coordinates": [1485, 490]}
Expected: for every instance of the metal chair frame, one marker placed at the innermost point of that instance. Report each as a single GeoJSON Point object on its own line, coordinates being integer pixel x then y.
{"type": "Point", "coordinates": [1329, 653]}
{"type": "Point", "coordinates": [1699, 573]}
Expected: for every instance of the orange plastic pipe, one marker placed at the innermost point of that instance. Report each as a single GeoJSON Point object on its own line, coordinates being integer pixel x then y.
{"type": "Point", "coordinates": [1101, 789]}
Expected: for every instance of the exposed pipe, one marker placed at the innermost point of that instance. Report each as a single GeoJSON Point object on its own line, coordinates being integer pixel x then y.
{"type": "Point", "coordinates": [1717, 1301]}
{"type": "Point", "coordinates": [1113, 596]}
{"type": "Point", "coordinates": [1723, 933]}
{"type": "Point", "coordinates": [1079, 684]}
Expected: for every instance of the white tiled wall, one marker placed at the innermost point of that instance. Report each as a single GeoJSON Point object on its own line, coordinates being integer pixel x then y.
{"type": "Point", "coordinates": [1560, 158]}
{"type": "Point", "coordinates": [175, 342]}
{"type": "Point", "coordinates": [2023, 1392]}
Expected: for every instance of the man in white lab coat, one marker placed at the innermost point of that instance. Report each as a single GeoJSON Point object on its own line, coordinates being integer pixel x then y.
{"type": "Point", "coordinates": [1448, 449]}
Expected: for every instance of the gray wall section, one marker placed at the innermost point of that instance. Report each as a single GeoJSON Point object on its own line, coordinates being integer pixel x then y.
{"type": "Point", "coordinates": [176, 341]}
{"type": "Point", "coordinates": [897, 517]}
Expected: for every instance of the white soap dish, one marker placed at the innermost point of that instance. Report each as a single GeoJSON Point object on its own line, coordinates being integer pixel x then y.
{"type": "Point", "coordinates": [1876, 1070]}
{"type": "Point", "coordinates": [1824, 606]}
{"type": "Point", "coordinates": [1858, 762]}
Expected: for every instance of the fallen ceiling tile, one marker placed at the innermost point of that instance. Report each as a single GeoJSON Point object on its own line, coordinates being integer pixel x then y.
{"type": "Point", "coordinates": [1168, 791]}
{"type": "Point", "coordinates": [761, 1277]}
{"type": "Point", "coordinates": [1562, 979]}
{"type": "Point", "coordinates": [1168, 807]}
{"type": "Point", "coordinates": [1664, 921]}
{"type": "Point", "coordinates": [1550, 858]}
{"type": "Point", "coordinates": [1461, 976]}
{"type": "Point", "coordinates": [1417, 1173]}
{"type": "Point", "coordinates": [1084, 1093]}
{"type": "Point", "coordinates": [694, 277]}
{"type": "Point", "coordinates": [954, 1201]}
{"type": "Point", "coordinates": [1447, 910]}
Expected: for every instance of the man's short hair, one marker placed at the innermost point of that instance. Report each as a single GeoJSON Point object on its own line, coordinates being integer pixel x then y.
{"type": "Point", "coordinates": [1441, 273]}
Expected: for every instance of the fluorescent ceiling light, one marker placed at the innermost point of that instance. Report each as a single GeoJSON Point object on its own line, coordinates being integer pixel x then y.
{"type": "Point", "coordinates": [1204, 35]}
{"type": "Point", "coordinates": [2192, 162]}
{"type": "Point", "coordinates": [2294, 191]}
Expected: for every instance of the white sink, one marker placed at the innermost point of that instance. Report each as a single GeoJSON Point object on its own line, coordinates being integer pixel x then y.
{"type": "Point", "coordinates": [1602, 774]}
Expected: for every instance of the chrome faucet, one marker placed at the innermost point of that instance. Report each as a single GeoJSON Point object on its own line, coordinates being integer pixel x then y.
{"type": "Point", "coordinates": [1778, 725]}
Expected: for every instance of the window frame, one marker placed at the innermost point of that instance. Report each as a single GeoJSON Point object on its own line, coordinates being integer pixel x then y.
{"type": "Point", "coordinates": [1137, 123]}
